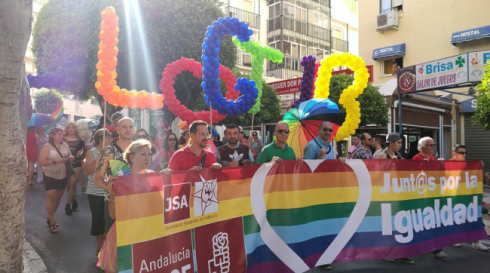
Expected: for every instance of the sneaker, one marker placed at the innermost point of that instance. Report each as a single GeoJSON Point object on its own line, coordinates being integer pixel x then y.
{"type": "Point", "coordinates": [441, 255]}
{"type": "Point", "coordinates": [405, 260]}
{"type": "Point", "coordinates": [479, 246]}
{"type": "Point", "coordinates": [457, 245]}
{"type": "Point", "coordinates": [326, 267]}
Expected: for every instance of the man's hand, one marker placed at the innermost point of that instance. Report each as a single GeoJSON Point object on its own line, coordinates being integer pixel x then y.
{"type": "Point", "coordinates": [234, 163]}
{"type": "Point", "coordinates": [197, 169]}
{"type": "Point", "coordinates": [276, 159]}
{"type": "Point", "coordinates": [323, 152]}
{"type": "Point", "coordinates": [166, 171]}
{"type": "Point", "coordinates": [71, 158]}
{"type": "Point", "coordinates": [342, 160]}
{"type": "Point", "coordinates": [299, 159]}
{"type": "Point", "coordinates": [246, 162]}
{"type": "Point", "coordinates": [216, 166]}
{"type": "Point", "coordinates": [441, 160]}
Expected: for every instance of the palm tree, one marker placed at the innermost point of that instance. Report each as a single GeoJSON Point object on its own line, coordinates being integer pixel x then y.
{"type": "Point", "coordinates": [15, 110]}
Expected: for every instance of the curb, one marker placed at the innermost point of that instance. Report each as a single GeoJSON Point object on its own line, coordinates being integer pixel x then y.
{"type": "Point", "coordinates": [32, 261]}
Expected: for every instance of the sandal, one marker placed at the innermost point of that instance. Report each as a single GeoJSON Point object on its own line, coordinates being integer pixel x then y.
{"type": "Point", "coordinates": [47, 222]}
{"type": "Point", "coordinates": [53, 228]}
{"type": "Point", "coordinates": [30, 183]}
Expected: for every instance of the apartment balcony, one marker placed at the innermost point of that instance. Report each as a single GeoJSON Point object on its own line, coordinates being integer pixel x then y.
{"type": "Point", "coordinates": [243, 58]}
{"type": "Point", "coordinates": [339, 45]}
{"type": "Point", "coordinates": [297, 26]}
{"type": "Point", "coordinates": [249, 18]}
{"type": "Point", "coordinates": [289, 68]}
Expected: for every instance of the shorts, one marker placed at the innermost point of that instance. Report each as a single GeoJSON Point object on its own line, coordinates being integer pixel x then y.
{"type": "Point", "coordinates": [54, 184]}
{"type": "Point", "coordinates": [107, 218]}
{"type": "Point", "coordinates": [97, 208]}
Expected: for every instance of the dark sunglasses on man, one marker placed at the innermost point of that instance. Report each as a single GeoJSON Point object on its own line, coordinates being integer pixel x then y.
{"type": "Point", "coordinates": [327, 129]}
{"type": "Point", "coordinates": [282, 131]}
{"type": "Point", "coordinates": [462, 153]}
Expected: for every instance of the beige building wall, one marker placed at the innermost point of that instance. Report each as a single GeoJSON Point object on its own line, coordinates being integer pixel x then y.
{"type": "Point", "coordinates": [426, 28]}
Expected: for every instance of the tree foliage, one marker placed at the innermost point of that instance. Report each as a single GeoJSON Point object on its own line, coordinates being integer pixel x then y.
{"type": "Point", "coordinates": [269, 108]}
{"type": "Point", "coordinates": [46, 100]}
{"type": "Point", "coordinates": [66, 38]}
{"type": "Point", "coordinates": [482, 113]}
{"type": "Point", "coordinates": [372, 104]}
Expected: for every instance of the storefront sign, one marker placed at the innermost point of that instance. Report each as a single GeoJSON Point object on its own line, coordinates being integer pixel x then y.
{"type": "Point", "coordinates": [351, 73]}
{"type": "Point", "coordinates": [469, 106]}
{"type": "Point", "coordinates": [477, 63]}
{"type": "Point", "coordinates": [406, 79]}
{"type": "Point", "coordinates": [287, 86]}
{"type": "Point", "coordinates": [444, 72]}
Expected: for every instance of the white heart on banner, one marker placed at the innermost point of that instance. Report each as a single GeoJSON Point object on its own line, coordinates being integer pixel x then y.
{"type": "Point", "coordinates": [279, 247]}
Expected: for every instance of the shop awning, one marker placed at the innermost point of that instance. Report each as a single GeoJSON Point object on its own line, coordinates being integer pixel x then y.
{"type": "Point", "coordinates": [470, 34]}
{"type": "Point", "coordinates": [389, 51]}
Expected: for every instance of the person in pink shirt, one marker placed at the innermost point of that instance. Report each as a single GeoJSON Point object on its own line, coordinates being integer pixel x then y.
{"type": "Point", "coordinates": [356, 141]}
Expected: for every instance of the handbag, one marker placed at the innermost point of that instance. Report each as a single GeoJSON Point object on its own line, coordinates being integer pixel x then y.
{"type": "Point", "coordinates": [69, 168]}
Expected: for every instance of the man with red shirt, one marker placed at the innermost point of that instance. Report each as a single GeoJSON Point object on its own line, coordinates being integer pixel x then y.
{"type": "Point", "coordinates": [194, 157]}
{"type": "Point", "coordinates": [426, 147]}
{"type": "Point", "coordinates": [459, 154]}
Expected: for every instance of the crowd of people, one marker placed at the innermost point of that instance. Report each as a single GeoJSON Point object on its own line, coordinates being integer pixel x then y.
{"type": "Point", "coordinates": [64, 152]}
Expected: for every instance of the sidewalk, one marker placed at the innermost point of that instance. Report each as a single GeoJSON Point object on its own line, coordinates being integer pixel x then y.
{"type": "Point", "coordinates": [32, 261]}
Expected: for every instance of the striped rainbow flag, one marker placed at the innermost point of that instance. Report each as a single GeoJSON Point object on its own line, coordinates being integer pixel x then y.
{"type": "Point", "coordinates": [291, 217]}
{"type": "Point", "coordinates": [57, 115]}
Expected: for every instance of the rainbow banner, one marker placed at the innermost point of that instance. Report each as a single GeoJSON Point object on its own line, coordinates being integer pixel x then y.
{"type": "Point", "coordinates": [57, 115]}
{"type": "Point", "coordinates": [291, 217]}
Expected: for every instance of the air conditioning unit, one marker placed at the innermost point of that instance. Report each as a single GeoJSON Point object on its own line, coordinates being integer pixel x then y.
{"type": "Point", "coordinates": [387, 21]}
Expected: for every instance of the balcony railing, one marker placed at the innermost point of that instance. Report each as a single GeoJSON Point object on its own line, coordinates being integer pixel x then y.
{"type": "Point", "coordinates": [340, 45]}
{"type": "Point", "coordinates": [289, 68]}
{"type": "Point", "coordinates": [298, 26]}
{"type": "Point", "coordinates": [243, 58]}
{"type": "Point", "coordinates": [249, 18]}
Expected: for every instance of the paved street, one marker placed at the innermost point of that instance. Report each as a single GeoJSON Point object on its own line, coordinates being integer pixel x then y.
{"type": "Point", "coordinates": [73, 249]}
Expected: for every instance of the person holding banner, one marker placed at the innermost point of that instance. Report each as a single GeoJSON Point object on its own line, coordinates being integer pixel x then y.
{"type": "Point", "coordinates": [126, 130]}
{"type": "Point", "coordinates": [194, 157]}
{"type": "Point", "coordinates": [459, 154]}
{"type": "Point", "coordinates": [393, 145]}
{"type": "Point", "coordinates": [426, 147]}
{"type": "Point", "coordinates": [138, 158]}
{"type": "Point", "coordinates": [279, 149]}
{"type": "Point", "coordinates": [320, 147]}
{"type": "Point", "coordinates": [233, 153]}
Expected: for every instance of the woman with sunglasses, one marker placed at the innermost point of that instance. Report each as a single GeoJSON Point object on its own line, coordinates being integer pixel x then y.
{"type": "Point", "coordinates": [170, 146]}
{"type": "Point", "coordinates": [52, 158]}
{"type": "Point", "coordinates": [184, 139]}
{"type": "Point", "coordinates": [155, 158]}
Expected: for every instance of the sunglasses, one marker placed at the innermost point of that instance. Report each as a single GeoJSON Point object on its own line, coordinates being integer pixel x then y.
{"type": "Point", "coordinates": [369, 139]}
{"type": "Point", "coordinates": [172, 139]}
{"type": "Point", "coordinates": [254, 135]}
{"type": "Point", "coordinates": [430, 145]}
{"type": "Point", "coordinates": [142, 136]}
{"type": "Point", "coordinates": [282, 131]}
{"type": "Point", "coordinates": [242, 133]}
{"type": "Point", "coordinates": [462, 153]}
{"type": "Point", "coordinates": [327, 130]}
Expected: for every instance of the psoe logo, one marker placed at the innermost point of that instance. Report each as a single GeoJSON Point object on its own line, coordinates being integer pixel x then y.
{"type": "Point", "coordinates": [176, 202]}
{"type": "Point", "coordinates": [205, 197]}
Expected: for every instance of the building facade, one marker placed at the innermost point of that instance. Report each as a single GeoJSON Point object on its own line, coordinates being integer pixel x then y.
{"type": "Point", "coordinates": [396, 34]}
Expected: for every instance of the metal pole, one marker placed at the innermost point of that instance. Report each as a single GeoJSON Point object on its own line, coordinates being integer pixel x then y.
{"type": "Point", "coordinates": [400, 127]}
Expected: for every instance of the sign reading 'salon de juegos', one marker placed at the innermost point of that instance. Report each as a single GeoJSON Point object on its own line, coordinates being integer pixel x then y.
{"type": "Point", "coordinates": [291, 217]}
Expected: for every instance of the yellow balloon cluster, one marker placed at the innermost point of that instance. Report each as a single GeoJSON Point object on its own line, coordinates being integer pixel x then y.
{"type": "Point", "coordinates": [350, 94]}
